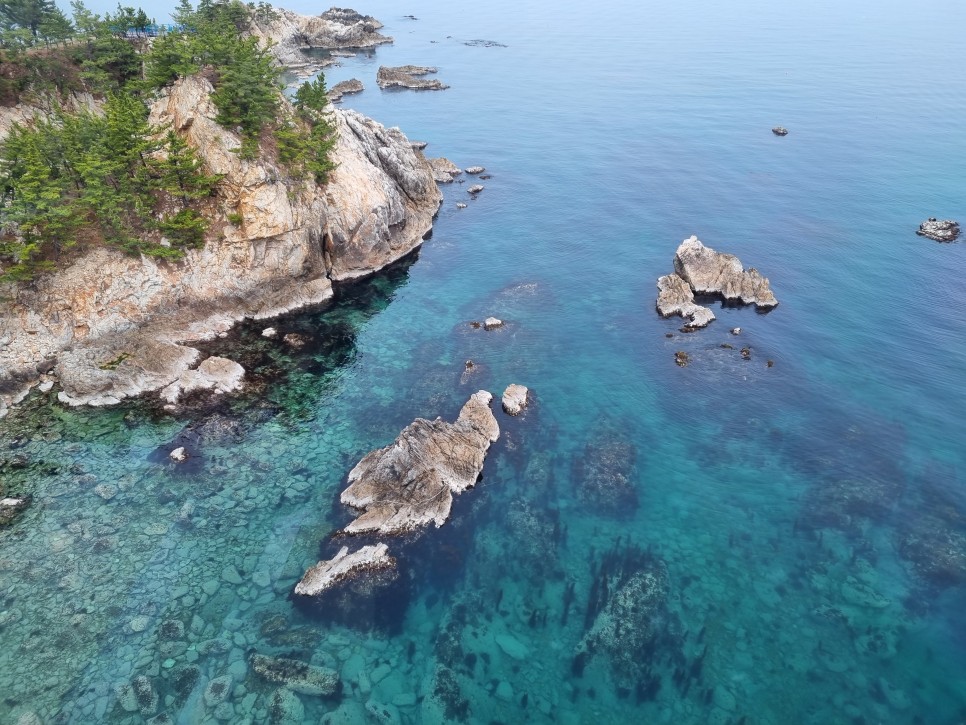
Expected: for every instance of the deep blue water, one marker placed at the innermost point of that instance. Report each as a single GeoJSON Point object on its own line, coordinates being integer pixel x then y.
{"type": "Point", "coordinates": [808, 520]}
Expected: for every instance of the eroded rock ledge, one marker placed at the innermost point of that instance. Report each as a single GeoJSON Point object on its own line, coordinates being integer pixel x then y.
{"type": "Point", "coordinates": [342, 566]}
{"type": "Point", "coordinates": [701, 270]}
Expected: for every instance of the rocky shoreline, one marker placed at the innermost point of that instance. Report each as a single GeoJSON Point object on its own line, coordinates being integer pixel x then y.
{"type": "Point", "coordinates": [111, 326]}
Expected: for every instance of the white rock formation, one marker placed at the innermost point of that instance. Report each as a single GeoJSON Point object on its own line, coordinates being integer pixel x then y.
{"type": "Point", "coordinates": [515, 399]}
{"type": "Point", "coordinates": [342, 566]}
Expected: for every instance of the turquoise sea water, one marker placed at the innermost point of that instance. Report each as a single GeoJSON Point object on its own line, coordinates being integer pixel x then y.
{"type": "Point", "coordinates": [803, 526]}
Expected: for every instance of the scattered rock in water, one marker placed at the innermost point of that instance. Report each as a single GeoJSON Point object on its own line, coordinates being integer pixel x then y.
{"type": "Point", "coordinates": [405, 76]}
{"type": "Point", "coordinates": [475, 189]}
{"type": "Point", "coordinates": [410, 483]}
{"type": "Point", "coordinates": [476, 325]}
{"type": "Point", "coordinates": [675, 297]}
{"type": "Point", "coordinates": [344, 88]}
{"type": "Point", "coordinates": [484, 44]}
{"type": "Point", "coordinates": [295, 340]}
{"type": "Point", "coordinates": [485, 177]}
{"type": "Point", "coordinates": [269, 332]}
{"type": "Point", "coordinates": [515, 399]}
{"type": "Point", "coordinates": [604, 474]}
{"type": "Point", "coordinates": [681, 358]}
{"type": "Point", "coordinates": [296, 675]}
{"type": "Point", "coordinates": [444, 170]}
{"type": "Point", "coordinates": [383, 713]}
{"type": "Point", "coordinates": [217, 374]}
{"type": "Point", "coordinates": [145, 695]}
{"type": "Point", "coordinates": [11, 507]}
{"type": "Point", "coordinates": [745, 353]}
{"type": "Point", "coordinates": [770, 364]}
{"type": "Point", "coordinates": [474, 170]}
{"type": "Point", "coordinates": [330, 573]}
{"type": "Point", "coordinates": [460, 205]}
{"type": "Point", "coordinates": [727, 346]}
{"type": "Point", "coordinates": [941, 230]}
{"type": "Point", "coordinates": [669, 335]}
{"type": "Point", "coordinates": [492, 323]}
{"type": "Point", "coordinates": [780, 131]}
{"type": "Point", "coordinates": [29, 718]}
{"type": "Point", "coordinates": [178, 454]}
{"type": "Point", "coordinates": [106, 491]}
{"type": "Point", "coordinates": [735, 330]}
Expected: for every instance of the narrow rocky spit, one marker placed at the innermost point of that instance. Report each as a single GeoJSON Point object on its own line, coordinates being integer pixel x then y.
{"type": "Point", "coordinates": [703, 271]}
{"type": "Point", "coordinates": [344, 88]}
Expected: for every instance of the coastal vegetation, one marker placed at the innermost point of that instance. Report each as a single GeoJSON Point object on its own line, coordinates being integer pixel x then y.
{"type": "Point", "coordinates": [82, 173]}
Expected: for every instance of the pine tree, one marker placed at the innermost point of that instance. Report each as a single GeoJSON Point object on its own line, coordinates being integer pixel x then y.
{"type": "Point", "coordinates": [25, 14]}
{"type": "Point", "coordinates": [180, 172]}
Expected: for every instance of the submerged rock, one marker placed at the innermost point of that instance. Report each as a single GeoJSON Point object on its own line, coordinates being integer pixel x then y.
{"type": "Point", "coordinates": [343, 88]}
{"type": "Point", "coordinates": [941, 230]}
{"type": "Point", "coordinates": [342, 566]}
{"type": "Point", "coordinates": [780, 131]}
{"type": "Point", "coordinates": [285, 708]}
{"type": "Point", "coordinates": [410, 483]}
{"type": "Point", "coordinates": [626, 616]}
{"type": "Point", "coordinates": [604, 474]}
{"type": "Point", "coordinates": [296, 675]}
{"type": "Point", "coordinates": [405, 76]}
{"type": "Point", "coordinates": [515, 399]}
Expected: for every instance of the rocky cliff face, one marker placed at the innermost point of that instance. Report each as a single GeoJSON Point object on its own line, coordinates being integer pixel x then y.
{"type": "Point", "coordinates": [117, 325]}
{"type": "Point", "coordinates": [291, 34]}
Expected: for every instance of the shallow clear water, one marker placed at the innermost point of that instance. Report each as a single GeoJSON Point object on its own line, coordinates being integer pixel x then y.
{"type": "Point", "coordinates": [806, 520]}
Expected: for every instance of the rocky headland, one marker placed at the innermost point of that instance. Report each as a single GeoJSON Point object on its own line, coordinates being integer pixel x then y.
{"type": "Point", "coordinates": [700, 270]}
{"type": "Point", "coordinates": [408, 76]}
{"type": "Point", "coordinates": [111, 325]}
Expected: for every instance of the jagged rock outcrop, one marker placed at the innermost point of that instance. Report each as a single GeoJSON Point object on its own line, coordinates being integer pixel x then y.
{"type": "Point", "coordinates": [327, 574]}
{"type": "Point", "coordinates": [353, 85]}
{"type": "Point", "coordinates": [940, 230]}
{"type": "Point", "coordinates": [444, 170]}
{"type": "Point", "coordinates": [410, 483]}
{"type": "Point", "coordinates": [11, 507]}
{"type": "Point", "coordinates": [215, 373]}
{"type": "Point", "coordinates": [290, 34]}
{"type": "Point", "coordinates": [119, 325]}
{"type": "Point", "coordinates": [406, 76]}
{"type": "Point", "coordinates": [701, 270]}
{"type": "Point", "coordinates": [675, 297]}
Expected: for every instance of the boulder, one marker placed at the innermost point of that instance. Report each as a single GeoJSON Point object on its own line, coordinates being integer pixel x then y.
{"type": "Point", "coordinates": [218, 374]}
{"type": "Point", "coordinates": [296, 675]}
{"type": "Point", "coordinates": [411, 483]}
{"type": "Point", "coordinates": [460, 205]}
{"type": "Point", "coordinates": [285, 708]}
{"type": "Point", "coordinates": [269, 332]}
{"type": "Point", "coordinates": [475, 189]}
{"type": "Point", "coordinates": [10, 507]}
{"type": "Point", "coordinates": [674, 297]}
{"type": "Point", "coordinates": [405, 76]}
{"type": "Point", "coordinates": [491, 323]}
{"type": "Point", "coordinates": [218, 690]}
{"type": "Point", "coordinates": [941, 230]}
{"type": "Point", "coordinates": [474, 170]}
{"type": "Point", "coordinates": [342, 566]}
{"type": "Point", "coordinates": [780, 131]}
{"type": "Point", "coordinates": [178, 455]}
{"type": "Point", "coordinates": [444, 170]}
{"type": "Point", "coordinates": [713, 273]}
{"type": "Point", "coordinates": [515, 399]}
